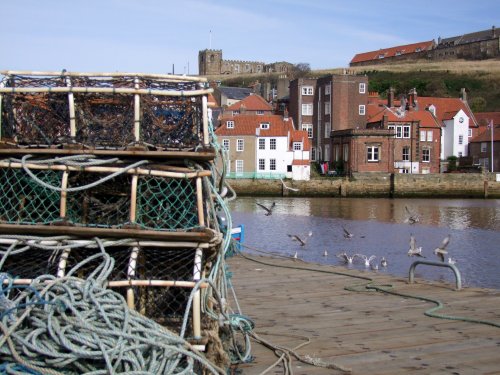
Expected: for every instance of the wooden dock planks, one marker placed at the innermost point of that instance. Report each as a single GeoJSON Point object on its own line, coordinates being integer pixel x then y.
{"type": "Point", "coordinates": [368, 332]}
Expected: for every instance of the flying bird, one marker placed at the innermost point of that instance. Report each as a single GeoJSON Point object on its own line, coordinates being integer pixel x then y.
{"type": "Point", "coordinates": [441, 250]}
{"type": "Point", "coordinates": [414, 250]}
{"type": "Point", "coordinates": [269, 211]}
{"type": "Point", "coordinates": [301, 241]}
{"type": "Point", "coordinates": [366, 259]}
{"type": "Point", "coordinates": [412, 217]}
{"type": "Point", "coordinates": [346, 258]}
{"type": "Point", "coordinates": [288, 187]}
{"type": "Point", "coordinates": [347, 234]}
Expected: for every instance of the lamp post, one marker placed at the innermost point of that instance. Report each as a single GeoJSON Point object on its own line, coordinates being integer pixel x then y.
{"type": "Point", "coordinates": [491, 129]}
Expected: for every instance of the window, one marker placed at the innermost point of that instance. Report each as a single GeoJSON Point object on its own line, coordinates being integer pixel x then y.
{"type": "Point", "coordinates": [381, 56]}
{"type": "Point", "coordinates": [460, 139]}
{"type": "Point", "coordinates": [272, 164]}
{"type": "Point", "coordinates": [307, 109]}
{"type": "Point", "coordinates": [328, 89]}
{"type": "Point", "coordinates": [272, 144]}
{"type": "Point", "coordinates": [346, 152]}
{"type": "Point", "coordinates": [418, 49]}
{"type": "Point", "coordinates": [309, 129]}
{"type": "Point", "coordinates": [262, 164]}
{"type": "Point", "coordinates": [239, 144]}
{"type": "Point", "coordinates": [484, 147]}
{"type": "Point", "coordinates": [225, 144]}
{"type": "Point", "coordinates": [426, 155]}
{"type": "Point", "coordinates": [297, 146]}
{"type": "Point", "coordinates": [237, 68]}
{"type": "Point", "coordinates": [398, 132]}
{"type": "Point", "coordinates": [429, 136]}
{"type": "Point", "coordinates": [239, 166]}
{"type": "Point", "coordinates": [313, 153]}
{"type": "Point", "coordinates": [328, 106]}
{"type": "Point", "coordinates": [470, 132]}
{"type": "Point", "coordinates": [262, 143]}
{"type": "Point", "coordinates": [230, 124]}
{"type": "Point", "coordinates": [361, 109]}
{"type": "Point", "coordinates": [422, 135]}
{"type": "Point", "coordinates": [260, 112]}
{"type": "Point", "coordinates": [362, 88]}
{"type": "Point", "coordinates": [406, 153]}
{"type": "Point", "coordinates": [406, 132]}
{"type": "Point", "coordinates": [327, 153]}
{"type": "Point", "coordinates": [372, 153]}
{"type": "Point", "coordinates": [328, 129]}
{"type": "Point", "coordinates": [264, 125]}
{"type": "Point", "coordinates": [307, 90]}
{"type": "Point", "coordinates": [336, 152]}
{"type": "Point", "coordinates": [236, 112]}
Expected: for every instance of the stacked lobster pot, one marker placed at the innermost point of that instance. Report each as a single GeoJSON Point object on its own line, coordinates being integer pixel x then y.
{"type": "Point", "coordinates": [123, 164]}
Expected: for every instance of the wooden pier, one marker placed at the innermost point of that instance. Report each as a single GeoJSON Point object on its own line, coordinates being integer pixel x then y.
{"type": "Point", "coordinates": [368, 332]}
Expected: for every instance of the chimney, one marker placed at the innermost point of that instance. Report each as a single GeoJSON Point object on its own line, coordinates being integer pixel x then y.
{"type": "Point", "coordinates": [412, 98]}
{"type": "Point", "coordinates": [493, 31]}
{"type": "Point", "coordinates": [285, 115]}
{"type": "Point", "coordinates": [463, 94]}
{"type": "Point", "coordinates": [385, 120]}
{"type": "Point", "coordinates": [390, 98]}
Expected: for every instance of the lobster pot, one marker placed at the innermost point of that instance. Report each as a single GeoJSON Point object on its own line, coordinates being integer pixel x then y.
{"type": "Point", "coordinates": [142, 199]}
{"type": "Point", "coordinates": [156, 281]}
{"type": "Point", "coordinates": [105, 112]}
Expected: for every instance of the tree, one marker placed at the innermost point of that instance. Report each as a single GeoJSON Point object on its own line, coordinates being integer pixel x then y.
{"type": "Point", "coordinates": [300, 70]}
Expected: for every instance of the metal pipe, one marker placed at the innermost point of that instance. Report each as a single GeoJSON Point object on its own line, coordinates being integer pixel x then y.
{"type": "Point", "coordinates": [411, 277]}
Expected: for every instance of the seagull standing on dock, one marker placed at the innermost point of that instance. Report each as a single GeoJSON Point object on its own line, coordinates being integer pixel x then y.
{"type": "Point", "coordinates": [414, 250]}
{"type": "Point", "coordinates": [366, 259]}
{"type": "Point", "coordinates": [287, 187]}
{"type": "Point", "coordinates": [346, 258]}
{"type": "Point", "coordinates": [412, 217]}
{"type": "Point", "coordinates": [269, 211]}
{"type": "Point", "coordinates": [301, 241]}
{"type": "Point", "coordinates": [441, 250]}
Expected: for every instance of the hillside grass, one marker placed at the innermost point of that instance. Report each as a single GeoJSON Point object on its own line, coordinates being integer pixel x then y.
{"type": "Point", "coordinates": [481, 79]}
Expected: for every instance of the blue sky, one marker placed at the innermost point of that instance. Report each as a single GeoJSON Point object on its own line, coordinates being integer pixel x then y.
{"type": "Point", "coordinates": [151, 36]}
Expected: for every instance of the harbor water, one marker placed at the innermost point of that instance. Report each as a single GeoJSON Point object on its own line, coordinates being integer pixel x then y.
{"type": "Point", "coordinates": [379, 227]}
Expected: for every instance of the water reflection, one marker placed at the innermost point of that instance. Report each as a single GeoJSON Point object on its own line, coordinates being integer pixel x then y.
{"type": "Point", "coordinates": [379, 229]}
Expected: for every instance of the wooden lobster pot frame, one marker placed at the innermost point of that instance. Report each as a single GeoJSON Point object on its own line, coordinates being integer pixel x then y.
{"type": "Point", "coordinates": [106, 111]}
{"type": "Point", "coordinates": [140, 198]}
{"type": "Point", "coordinates": [156, 278]}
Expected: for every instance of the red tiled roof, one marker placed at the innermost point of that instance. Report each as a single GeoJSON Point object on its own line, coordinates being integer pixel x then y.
{"type": "Point", "coordinates": [485, 136]}
{"type": "Point", "coordinates": [392, 51]}
{"type": "Point", "coordinates": [247, 125]}
{"type": "Point", "coordinates": [300, 136]}
{"type": "Point", "coordinates": [483, 118]}
{"type": "Point", "coordinates": [446, 108]}
{"type": "Point", "coordinates": [425, 118]}
{"type": "Point", "coordinates": [251, 103]}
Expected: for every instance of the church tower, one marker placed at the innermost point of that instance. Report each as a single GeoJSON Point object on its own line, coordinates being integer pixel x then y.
{"type": "Point", "coordinates": [209, 62]}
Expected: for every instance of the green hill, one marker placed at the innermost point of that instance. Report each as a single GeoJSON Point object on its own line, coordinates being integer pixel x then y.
{"type": "Point", "coordinates": [444, 79]}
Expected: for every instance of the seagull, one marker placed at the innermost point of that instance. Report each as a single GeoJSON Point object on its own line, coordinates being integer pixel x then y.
{"type": "Point", "coordinates": [301, 241]}
{"type": "Point", "coordinates": [412, 217]}
{"type": "Point", "coordinates": [366, 259]}
{"type": "Point", "coordinates": [374, 266]}
{"type": "Point", "coordinates": [343, 255]}
{"type": "Point", "coordinates": [441, 250]}
{"type": "Point", "coordinates": [452, 261]}
{"type": "Point", "coordinates": [295, 255]}
{"type": "Point", "coordinates": [347, 234]}
{"type": "Point", "coordinates": [383, 262]}
{"type": "Point", "coordinates": [287, 187]}
{"type": "Point", "coordinates": [269, 211]}
{"type": "Point", "coordinates": [414, 250]}
{"type": "Point", "coordinates": [325, 254]}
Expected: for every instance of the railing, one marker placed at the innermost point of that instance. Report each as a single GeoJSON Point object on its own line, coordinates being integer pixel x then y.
{"type": "Point", "coordinates": [455, 270]}
{"type": "Point", "coordinates": [257, 175]}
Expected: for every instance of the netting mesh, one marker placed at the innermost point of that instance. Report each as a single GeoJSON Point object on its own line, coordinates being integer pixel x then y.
{"type": "Point", "coordinates": [162, 203]}
{"type": "Point", "coordinates": [164, 304]}
{"type": "Point", "coordinates": [102, 120]}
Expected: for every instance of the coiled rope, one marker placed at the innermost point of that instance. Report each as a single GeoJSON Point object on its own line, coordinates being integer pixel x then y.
{"type": "Point", "coordinates": [74, 326]}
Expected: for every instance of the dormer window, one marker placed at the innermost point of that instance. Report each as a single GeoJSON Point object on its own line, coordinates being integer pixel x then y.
{"type": "Point", "coordinates": [297, 146]}
{"type": "Point", "coordinates": [381, 56]}
{"type": "Point", "coordinates": [398, 53]}
{"type": "Point", "coordinates": [260, 112]}
{"type": "Point", "coordinates": [264, 125]}
{"type": "Point", "coordinates": [237, 112]}
{"type": "Point", "coordinates": [432, 109]}
{"type": "Point", "coordinates": [230, 124]}
{"type": "Point", "coordinates": [418, 49]}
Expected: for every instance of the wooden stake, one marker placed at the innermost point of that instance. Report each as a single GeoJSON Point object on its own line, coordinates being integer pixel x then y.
{"type": "Point", "coordinates": [137, 112]}
{"type": "Point", "coordinates": [64, 195]}
{"type": "Point", "coordinates": [197, 296]}
{"type": "Point", "coordinates": [133, 199]}
{"type": "Point", "coordinates": [206, 139]}
{"type": "Point", "coordinates": [199, 201]}
{"type": "Point", "coordinates": [130, 275]}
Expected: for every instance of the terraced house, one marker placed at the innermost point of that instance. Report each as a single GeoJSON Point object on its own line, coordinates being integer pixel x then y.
{"type": "Point", "coordinates": [264, 146]}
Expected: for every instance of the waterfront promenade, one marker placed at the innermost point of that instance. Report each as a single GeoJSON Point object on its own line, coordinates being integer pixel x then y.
{"type": "Point", "coordinates": [364, 330]}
